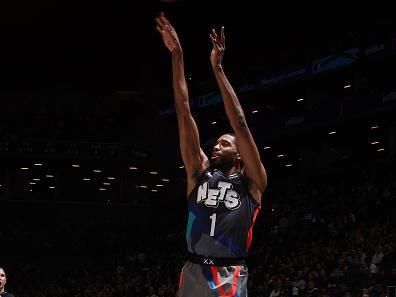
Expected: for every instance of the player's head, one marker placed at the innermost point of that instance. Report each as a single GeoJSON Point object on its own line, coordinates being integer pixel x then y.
{"type": "Point", "coordinates": [3, 279]}
{"type": "Point", "coordinates": [225, 154]}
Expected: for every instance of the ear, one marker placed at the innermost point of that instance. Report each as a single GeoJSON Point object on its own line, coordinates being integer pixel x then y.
{"type": "Point", "coordinates": [237, 157]}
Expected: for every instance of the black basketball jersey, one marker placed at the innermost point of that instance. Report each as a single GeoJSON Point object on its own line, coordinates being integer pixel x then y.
{"type": "Point", "coordinates": [221, 216]}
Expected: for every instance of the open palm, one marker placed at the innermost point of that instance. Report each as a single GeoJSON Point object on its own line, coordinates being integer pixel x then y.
{"type": "Point", "coordinates": [168, 33]}
{"type": "Point", "coordinates": [217, 53]}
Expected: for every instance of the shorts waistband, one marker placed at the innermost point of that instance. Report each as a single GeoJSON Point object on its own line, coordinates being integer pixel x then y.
{"type": "Point", "coordinates": [216, 261]}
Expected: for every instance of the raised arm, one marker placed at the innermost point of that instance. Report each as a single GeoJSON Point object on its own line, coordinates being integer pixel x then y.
{"type": "Point", "coordinates": [195, 161]}
{"type": "Point", "coordinates": [253, 167]}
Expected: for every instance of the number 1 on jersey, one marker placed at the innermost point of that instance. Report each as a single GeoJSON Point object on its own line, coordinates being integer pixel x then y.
{"type": "Point", "coordinates": [213, 225]}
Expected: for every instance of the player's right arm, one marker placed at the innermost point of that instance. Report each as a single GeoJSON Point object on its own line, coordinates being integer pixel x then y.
{"type": "Point", "coordinates": [194, 159]}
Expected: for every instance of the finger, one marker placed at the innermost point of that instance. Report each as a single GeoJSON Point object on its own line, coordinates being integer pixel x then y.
{"type": "Point", "coordinates": [222, 37]}
{"type": "Point", "coordinates": [160, 22]}
{"type": "Point", "coordinates": [165, 20]}
{"type": "Point", "coordinates": [166, 25]}
{"type": "Point", "coordinates": [159, 29]}
{"type": "Point", "coordinates": [214, 33]}
{"type": "Point", "coordinates": [215, 42]}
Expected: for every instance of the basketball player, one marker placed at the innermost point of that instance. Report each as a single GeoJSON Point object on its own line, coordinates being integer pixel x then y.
{"type": "Point", "coordinates": [224, 191]}
{"type": "Point", "coordinates": [3, 281]}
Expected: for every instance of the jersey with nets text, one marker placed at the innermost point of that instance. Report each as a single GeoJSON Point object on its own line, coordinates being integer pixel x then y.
{"type": "Point", "coordinates": [221, 215]}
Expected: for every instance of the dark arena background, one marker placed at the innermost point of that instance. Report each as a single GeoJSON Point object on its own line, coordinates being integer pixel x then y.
{"type": "Point", "coordinates": [92, 188]}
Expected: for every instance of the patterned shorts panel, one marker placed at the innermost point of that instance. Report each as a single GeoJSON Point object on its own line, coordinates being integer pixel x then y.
{"type": "Point", "coordinates": [212, 281]}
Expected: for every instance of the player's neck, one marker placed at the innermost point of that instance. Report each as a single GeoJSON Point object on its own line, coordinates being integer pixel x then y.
{"type": "Point", "coordinates": [231, 171]}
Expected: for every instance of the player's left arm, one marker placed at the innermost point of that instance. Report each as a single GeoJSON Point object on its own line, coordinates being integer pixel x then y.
{"type": "Point", "coordinates": [253, 167]}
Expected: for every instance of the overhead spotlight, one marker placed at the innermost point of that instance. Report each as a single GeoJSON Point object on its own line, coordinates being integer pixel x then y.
{"type": "Point", "coordinates": [288, 165]}
{"type": "Point", "coordinates": [280, 156]}
{"type": "Point", "coordinates": [267, 147]}
{"type": "Point", "coordinates": [133, 168]}
{"type": "Point", "coordinates": [159, 185]}
{"type": "Point", "coordinates": [36, 179]}
{"type": "Point", "coordinates": [165, 179]}
{"type": "Point", "coordinates": [51, 187]}
{"type": "Point", "coordinates": [213, 123]}
{"type": "Point", "coordinates": [38, 164]}
{"type": "Point", "coordinates": [347, 86]}
{"type": "Point", "coordinates": [300, 99]}
{"type": "Point", "coordinates": [153, 172]}
{"type": "Point", "coordinates": [255, 111]}
{"type": "Point", "coordinates": [374, 127]}
{"type": "Point", "coordinates": [75, 165]}
{"type": "Point", "coordinates": [332, 132]}
{"type": "Point", "coordinates": [97, 170]}
{"type": "Point", "coordinates": [110, 178]}
{"type": "Point", "coordinates": [24, 168]}
{"type": "Point", "coordinates": [375, 142]}
{"type": "Point", "coordinates": [102, 189]}
{"type": "Point", "coordinates": [49, 175]}
{"type": "Point", "coordinates": [143, 186]}
{"type": "Point", "coordinates": [32, 183]}
{"type": "Point", "coordinates": [181, 166]}
{"type": "Point", "coordinates": [106, 184]}
{"type": "Point", "coordinates": [380, 150]}
{"type": "Point", "coordinates": [86, 179]}
{"type": "Point", "coordinates": [154, 190]}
